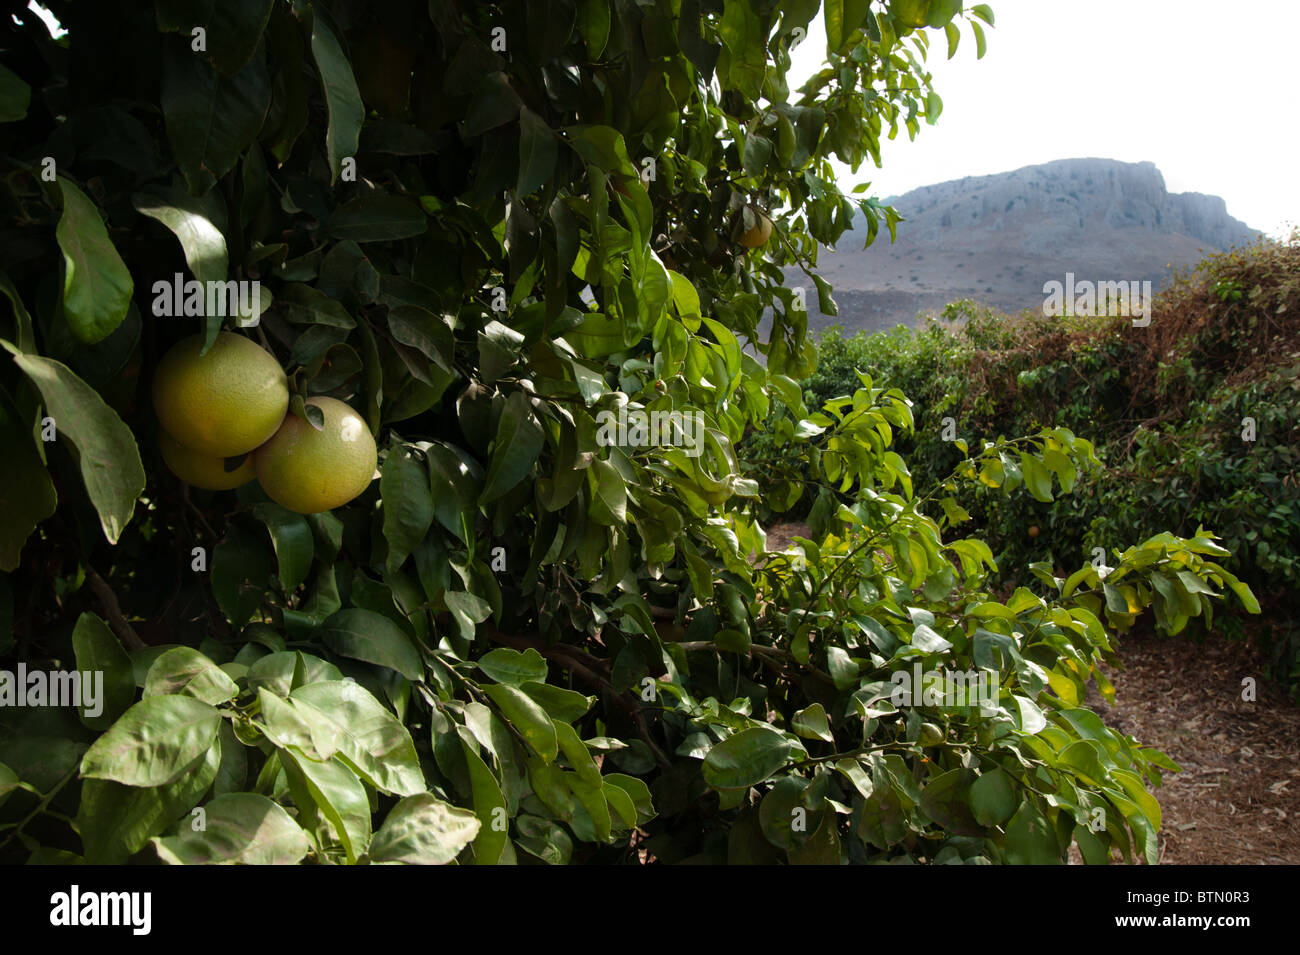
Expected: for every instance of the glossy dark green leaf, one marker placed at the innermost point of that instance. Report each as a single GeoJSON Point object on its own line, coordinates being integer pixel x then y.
{"type": "Point", "coordinates": [993, 798]}
{"type": "Point", "coordinates": [746, 758]}
{"type": "Point", "coordinates": [27, 494]}
{"type": "Point", "coordinates": [203, 243]}
{"type": "Point", "coordinates": [234, 30]}
{"type": "Point", "coordinates": [518, 442]}
{"type": "Point", "coordinates": [342, 98]}
{"type": "Point", "coordinates": [105, 447]}
{"type": "Point", "coordinates": [241, 574]}
{"type": "Point", "coordinates": [512, 667]}
{"type": "Point", "coordinates": [211, 118]}
{"type": "Point", "coordinates": [538, 149]}
{"type": "Point", "coordinates": [366, 635]}
{"type": "Point", "coordinates": [15, 96]}
{"type": "Point", "coordinates": [490, 807]}
{"type": "Point", "coordinates": [560, 704]}
{"type": "Point", "coordinates": [379, 217]}
{"type": "Point", "coordinates": [98, 651]}
{"type": "Point", "coordinates": [292, 540]}
{"type": "Point", "coordinates": [1031, 839]}
{"type": "Point", "coordinates": [811, 723]}
{"type": "Point", "coordinates": [527, 717]}
{"type": "Point", "coordinates": [407, 504]}
{"type": "Point", "coordinates": [742, 34]}
{"type": "Point", "coordinates": [97, 287]}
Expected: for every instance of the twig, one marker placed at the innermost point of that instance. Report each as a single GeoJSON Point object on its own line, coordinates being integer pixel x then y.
{"type": "Point", "coordinates": [583, 665]}
{"type": "Point", "coordinates": [113, 611]}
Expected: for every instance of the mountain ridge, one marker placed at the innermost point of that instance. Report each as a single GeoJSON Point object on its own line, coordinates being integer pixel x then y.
{"type": "Point", "coordinates": [999, 238]}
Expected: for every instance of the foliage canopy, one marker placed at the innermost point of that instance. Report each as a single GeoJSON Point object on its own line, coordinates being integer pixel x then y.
{"type": "Point", "coordinates": [521, 643]}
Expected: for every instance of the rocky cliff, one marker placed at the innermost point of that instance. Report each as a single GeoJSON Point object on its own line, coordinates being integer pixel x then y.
{"type": "Point", "coordinates": [997, 239]}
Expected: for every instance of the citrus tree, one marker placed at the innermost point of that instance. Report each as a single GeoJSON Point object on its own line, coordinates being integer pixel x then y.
{"type": "Point", "coordinates": [543, 251]}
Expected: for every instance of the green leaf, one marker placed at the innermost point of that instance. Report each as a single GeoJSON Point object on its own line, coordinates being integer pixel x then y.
{"type": "Point", "coordinates": [211, 118]}
{"type": "Point", "coordinates": [203, 243]}
{"type": "Point", "coordinates": [843, 18]}
{"type": "Point", "coordinates": [609, 501]}
{"type": "Point", "coordinates": [1037, 478]}
{"type": "Point", "coordinates": [423, 830]}
{"type": "Point", "coordinates": [993, 798]}
{"type": "Point", "coordinates": [234, 30]}
{"type": "Point", "coordinates": [544, 839]}
{"type": "Point", "coordinates": [538, 150]}
{"type": "Point", "coordinates": [823, 846]}
{"type": "Point", "coordinates": [8, 782]}
{"type": "Point", "coordinates": [27, 494]}
{"type": "Point", "coordinates": [424, 331]}
{"type": "Point", "coordinates": [468, 609]}
{"type": "Point", "coordinates": [277, 672]}
{"type": "Point", "coordinates": [746, 759]}
{"type": "Point", "coordinates": [366, 635]}
{"type": "Point", "coordinates": [494, 104]}
{"type": "Point", "coordinates": [454, 481]}
{"type": "Point", "coordinates": [843, 670]}
{"type": "Point", "coordinates": [106, 449]}
{"type": "Point", "coordinates": [593, 25]}
{"type": "Point", "coordinates": [241, 572]}
{"type": "Point", "coordinates": [98, 651]}
{"type": "Point", "coordinates": [97, 287]}
{"type": "Point", "coordinates": [489, 805]}
{"type": "Point", "coordinates": [337, 793]}
{"type": "Point", "coordinates": [637, 791]}
{"type": "Point", "coordinates": [519, 441]}
{"type": "Point", "coordinates": [239, 829]}
{"type": "Point", "coordinates": [15, 96]}
{"type": "Point", "coordinates": [183, 671]}
{"type": "Point", "coordinates": [378, 217]}
{"type": "Point", "coordinates": [744, 38]}
{"type": "Point", "coordinates": [155, 742]}
{"type": "Point", "coordinates": [287, 726]}
{"type": "Point", "coordinates": [1031, 839]}
{"type": "Point", "coordinates": [373, 741]}
{"type": "Point", "coordinates": [342, 98]}
{"type": "Point", "coordinates": [532, 722]}
{"type": "Point", "coordinates": [513, 668]}
{"type": "Point", "coordinates": [24, 336]}
{"type": "Point", "coordinates": [407, 504]}
{"type": "Point", "coordinates": [945, 799]}
{"type": "Point", "coordinates": [116, 821]}
{"type": "Point", "coordinates": [811, 723]}
{"type": "Point", "coordinates": [564, 705]}
{"type": "Point", "coordinates": [292, 539]}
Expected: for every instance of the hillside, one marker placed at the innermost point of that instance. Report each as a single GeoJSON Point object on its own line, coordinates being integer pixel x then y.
{"type": "Point", "coordinates": [997, 239]}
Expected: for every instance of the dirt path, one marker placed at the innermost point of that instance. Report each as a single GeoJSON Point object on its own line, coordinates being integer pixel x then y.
{"type": "Point", "coordinates": [1237, 801]}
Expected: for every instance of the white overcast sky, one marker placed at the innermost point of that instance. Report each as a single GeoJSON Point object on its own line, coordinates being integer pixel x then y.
{"type": "Point", "coordinates": [1208, 91]}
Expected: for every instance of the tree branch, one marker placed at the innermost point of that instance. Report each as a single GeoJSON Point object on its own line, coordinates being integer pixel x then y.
{"type": "Point", "coordinates": [588, 668]}
{"type": "Point", "coordinates": [112, 610]}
